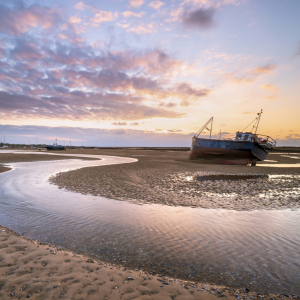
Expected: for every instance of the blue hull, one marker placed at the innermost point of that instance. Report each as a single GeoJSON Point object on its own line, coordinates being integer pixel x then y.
{"type": "Point", "coordinates": [55, 147]}
{"type": "Point", "coordinates": [226, 151]}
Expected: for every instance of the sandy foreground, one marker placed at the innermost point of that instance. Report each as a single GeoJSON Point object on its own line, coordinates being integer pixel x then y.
{"type": "Point", "coordinates": [30, 269]}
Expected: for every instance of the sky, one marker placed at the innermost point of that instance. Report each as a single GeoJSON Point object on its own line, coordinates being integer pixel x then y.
{"type": "Point", "coordinates": [148, 73]}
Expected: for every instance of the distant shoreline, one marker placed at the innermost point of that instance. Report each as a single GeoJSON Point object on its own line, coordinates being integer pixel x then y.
{"type": "Point", "coordinates": [287, 149]}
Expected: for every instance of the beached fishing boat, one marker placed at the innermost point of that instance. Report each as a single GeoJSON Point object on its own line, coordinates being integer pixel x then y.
{"type": "Point", "coordinates": [246, 149]}
{"type": "Point", "coordinates": [55, 146]}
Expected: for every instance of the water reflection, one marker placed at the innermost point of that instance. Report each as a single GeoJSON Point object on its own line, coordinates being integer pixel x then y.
{"type": "Point", "coordinates": [272, 187]}
{"type": "Point", "coordinates": [294, 157]}
{"type": "Point", "coordinates": [279, 165]}
{"type": "Point", "coordinates": [227, 177]}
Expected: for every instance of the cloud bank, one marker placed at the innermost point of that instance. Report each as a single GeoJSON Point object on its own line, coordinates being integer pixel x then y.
{"type": "Point", "coordinates": [56, 75]}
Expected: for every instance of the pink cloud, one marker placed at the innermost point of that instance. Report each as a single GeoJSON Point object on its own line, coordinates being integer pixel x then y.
{"type": "Point", "coordinates": [263, 70]}
{"type": "Point", "coordinates": [72, 107]}
{"type": "Point", "coordinates": [154, 62]}
{"type": "Point", "coordinates": [156, 4]}
{"type": "Point", "coordinates": [127, 14]}
{"type": "Point", "coordinates": [123, 25]}
{"type": "Point", "coordinates": [135, 3]}
{"type": "Point", "coordinates": [83, 6]}
{"type": "Point", "coordinates": [75, 20]}
{"type": "Point", "coordinates": [62, 36]}
{"type": "Point", "coordinates": [102, 16]}
{"type": "Point", "coordinates": [270, 87]}
{"type": "Point", "coordinates": [19, 20]}
{"type": "Point", "coordinates": [80, 6]}
{"type": "Point", "coordinates": [247, 76]}
{"type": "Point", "coordinates": [140, 29]}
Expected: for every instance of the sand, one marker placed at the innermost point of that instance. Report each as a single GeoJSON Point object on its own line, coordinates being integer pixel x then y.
{"type": "Point", "coordinates": [4, 169]}
{"type": "Point", "coordinates": [13, 157]}
{"type": "Point", "coordinates": [30, 269]}
{"type": "Point", "coordinates": [168, 177]}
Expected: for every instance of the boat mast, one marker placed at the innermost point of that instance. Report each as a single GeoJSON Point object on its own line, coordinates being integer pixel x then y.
{"type": "Point", "coordinates": [211, 126]}
{"type": "Point", "coordinates": [205, 127]}
{"type": "Point", "coordinates": [258, 119]}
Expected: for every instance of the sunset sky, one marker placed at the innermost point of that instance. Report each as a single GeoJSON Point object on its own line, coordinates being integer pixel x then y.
{"type": "Point", "coordinates": [147, 73]}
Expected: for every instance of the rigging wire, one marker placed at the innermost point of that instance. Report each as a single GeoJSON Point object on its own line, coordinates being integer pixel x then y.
{"type": "Point", "coordinates": [249, 125]}
{"type": "Point", "coordinates": [255, 120]}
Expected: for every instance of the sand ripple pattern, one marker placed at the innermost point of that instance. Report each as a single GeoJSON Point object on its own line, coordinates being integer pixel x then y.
{"type": "Point", "coordinates": [275, 191]}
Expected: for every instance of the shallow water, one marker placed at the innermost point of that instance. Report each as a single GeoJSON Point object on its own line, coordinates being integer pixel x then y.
{"type": "Point", "coordinates": [279, 165]}
{"type": "Point", "coordinates": [257, 249]}
{"type": "Point", "coordinates": [229, 177]}
{"type": "Point", "coordinates": [294, 157]}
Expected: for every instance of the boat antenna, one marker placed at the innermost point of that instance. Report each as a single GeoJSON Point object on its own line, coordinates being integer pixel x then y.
{"type": "Point", "coordinates": [205, 127]}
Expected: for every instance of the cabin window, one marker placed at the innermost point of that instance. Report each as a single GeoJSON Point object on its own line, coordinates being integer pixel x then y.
{"type": "Point", "coordinates": [238, 136]}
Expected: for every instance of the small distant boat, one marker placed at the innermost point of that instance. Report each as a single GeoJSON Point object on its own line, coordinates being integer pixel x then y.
{"type": "Point", "coordinates": [55, 146]}
{"type": "Point", "coordinates": [246, 149]}
{"type": "Point", "coordinates": [71, 147]}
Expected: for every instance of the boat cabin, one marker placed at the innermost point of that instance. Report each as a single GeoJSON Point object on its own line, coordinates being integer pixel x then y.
{"type": "Point", "coordinates": [246, 137]}
{"type": "Point", "coordinates": [264, 141]}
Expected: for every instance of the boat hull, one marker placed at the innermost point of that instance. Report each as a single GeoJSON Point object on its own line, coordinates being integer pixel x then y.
{"type": "Point", "coordinates": [227, 152]}
{"type": "Point", "coordinates": [55, 147]}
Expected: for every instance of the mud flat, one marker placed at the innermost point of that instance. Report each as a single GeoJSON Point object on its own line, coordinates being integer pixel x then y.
{"type": "Point", "coordinates": [170, 178]}
{"type": "Point", "coordinates": [32, 269]}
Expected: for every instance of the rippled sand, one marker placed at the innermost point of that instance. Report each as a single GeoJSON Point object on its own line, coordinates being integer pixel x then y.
{"type": "Point", "coordinates": [168, 177]}
{"type": "Point", "coordinates": [30, 269]}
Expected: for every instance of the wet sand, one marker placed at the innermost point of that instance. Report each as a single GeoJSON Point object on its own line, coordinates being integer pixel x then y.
{"type": "Point", "coordinates": [12, 157]}
{"type": "Point", "coordinates": [4, 169]}
{"type": "Point", "coordinates": [30, 269]}
{"type": "Point", "coordinates": [169, 178]}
